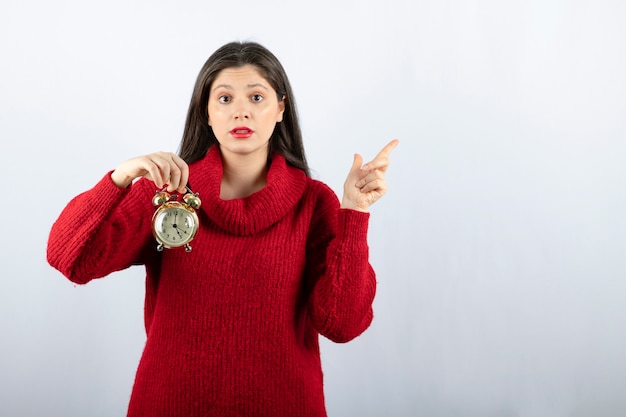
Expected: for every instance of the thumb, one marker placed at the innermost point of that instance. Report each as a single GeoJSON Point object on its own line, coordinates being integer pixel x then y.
{"type": "Point", "coordinates": [356, 163]}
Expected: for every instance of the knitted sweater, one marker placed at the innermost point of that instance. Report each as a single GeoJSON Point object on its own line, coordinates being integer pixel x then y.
{"type": "Point", "coordinates": [232, 326]}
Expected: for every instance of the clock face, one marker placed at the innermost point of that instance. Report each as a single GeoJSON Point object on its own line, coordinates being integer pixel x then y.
{"type": "Point", "coordinates": [175, 225]}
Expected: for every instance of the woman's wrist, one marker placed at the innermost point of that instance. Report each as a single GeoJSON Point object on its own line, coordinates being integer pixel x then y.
{"type": "Point", "coordinates": [120, 180]}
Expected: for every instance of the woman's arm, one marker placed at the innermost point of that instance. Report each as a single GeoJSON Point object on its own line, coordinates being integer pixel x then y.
{"type": "Point", "coordinates": [101, 230]}
{"type": "Point", "coordinates": [342, 281]}
{"type": "Point", "coordinates": [106, 228]}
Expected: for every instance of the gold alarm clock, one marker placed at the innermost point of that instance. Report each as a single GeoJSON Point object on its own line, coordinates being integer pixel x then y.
{"type": "Point", "coordinates": [175, 223]}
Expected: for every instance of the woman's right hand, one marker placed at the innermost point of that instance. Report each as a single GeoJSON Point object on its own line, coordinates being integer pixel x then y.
{"type": "Point", "coordinates": [162, 168]}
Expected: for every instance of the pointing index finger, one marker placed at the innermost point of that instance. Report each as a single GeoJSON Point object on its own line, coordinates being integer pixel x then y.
{"type": "Point", "coordinates": [388, 148]}
{"type": "Point", "coordinates": [382, 158]}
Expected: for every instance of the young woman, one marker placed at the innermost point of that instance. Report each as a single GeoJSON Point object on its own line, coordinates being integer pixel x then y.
{"type": "Point", "coordinates": [232, 325]}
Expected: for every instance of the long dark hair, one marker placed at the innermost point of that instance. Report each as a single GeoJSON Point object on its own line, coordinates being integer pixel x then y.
{"type": "Point", "coordinates": [198, 136]}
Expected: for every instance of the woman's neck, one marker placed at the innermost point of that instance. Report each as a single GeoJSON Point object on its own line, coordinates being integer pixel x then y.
{"type": "Point", "coordinates": [242, 177]}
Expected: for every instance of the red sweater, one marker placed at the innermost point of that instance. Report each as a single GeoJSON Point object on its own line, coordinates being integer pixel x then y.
{"type": "Point", "coordinates": [232, 326]}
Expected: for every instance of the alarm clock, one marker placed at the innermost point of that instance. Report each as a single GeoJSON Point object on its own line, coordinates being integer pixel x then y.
{"type": "Point", "coordinates": [175, 223]}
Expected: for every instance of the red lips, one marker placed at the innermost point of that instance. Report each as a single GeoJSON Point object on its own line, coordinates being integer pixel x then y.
{"type": "Point", "coordinates": [241, 132]}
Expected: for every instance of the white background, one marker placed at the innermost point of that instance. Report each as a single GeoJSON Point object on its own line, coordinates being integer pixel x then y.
{"type": "Point", "coordinates": [500, 248]}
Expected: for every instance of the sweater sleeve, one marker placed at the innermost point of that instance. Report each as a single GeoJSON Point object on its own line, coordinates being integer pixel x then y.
{"type": "Point", "coordinates": [102, 230]}
{"type": "Point", "coordinates": [344, 283]}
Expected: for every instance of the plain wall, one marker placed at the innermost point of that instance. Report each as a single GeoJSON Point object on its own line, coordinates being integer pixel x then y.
{"type": "Point", "coordinates": [500, 248]}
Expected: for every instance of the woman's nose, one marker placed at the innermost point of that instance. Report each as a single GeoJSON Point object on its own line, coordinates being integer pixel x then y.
{"type": "Point", "coordinates": [242, 111]}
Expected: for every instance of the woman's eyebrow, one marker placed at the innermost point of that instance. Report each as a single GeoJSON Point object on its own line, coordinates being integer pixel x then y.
{"type": "Point", "coordinates": [249, 86]}
{"type": "Point", "coordinates": [255, 85]}
{"type": "Point", "coordinates": [226, 86]}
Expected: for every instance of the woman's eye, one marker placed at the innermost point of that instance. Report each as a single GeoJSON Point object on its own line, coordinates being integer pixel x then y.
{"type": "Point", "coordinates": [257, 97]}
{"type": "Point", "coordinates": [224, 99]}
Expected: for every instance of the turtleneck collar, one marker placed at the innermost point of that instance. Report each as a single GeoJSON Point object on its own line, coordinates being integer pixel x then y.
{"type": "Point", "coordinates": [250, 215]}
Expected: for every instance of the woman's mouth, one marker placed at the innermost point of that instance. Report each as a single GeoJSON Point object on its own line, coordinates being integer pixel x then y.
{"type": "Point", "coordinates": [241, 132]}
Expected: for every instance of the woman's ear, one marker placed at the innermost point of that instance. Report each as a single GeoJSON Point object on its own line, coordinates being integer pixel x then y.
{"type": "Point", "coordinates": [281, 109]}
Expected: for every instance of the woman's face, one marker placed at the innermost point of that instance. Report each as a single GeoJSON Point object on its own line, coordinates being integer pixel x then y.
{"type": "Point", "coordinates": [243, 110]}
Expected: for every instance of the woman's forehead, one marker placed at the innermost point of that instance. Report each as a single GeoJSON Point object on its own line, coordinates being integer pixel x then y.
{"type": "Point", "coordinates": [247, 76]}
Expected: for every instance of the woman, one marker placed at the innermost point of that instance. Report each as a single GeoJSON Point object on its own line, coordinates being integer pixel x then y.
{"type": "Point", "coordinates": [232, 326]}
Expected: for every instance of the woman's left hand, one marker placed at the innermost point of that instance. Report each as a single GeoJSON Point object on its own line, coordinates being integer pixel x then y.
{"type": "Point", "coordinates": [366, 184]}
